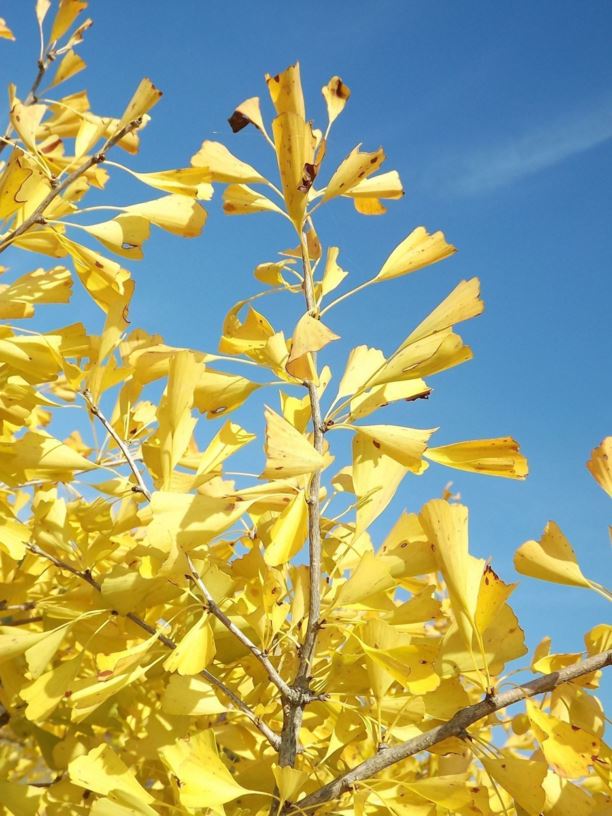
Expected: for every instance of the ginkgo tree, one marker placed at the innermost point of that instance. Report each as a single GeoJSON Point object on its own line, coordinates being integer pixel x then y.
{"type": "Point", "coordinates": [178, 638]}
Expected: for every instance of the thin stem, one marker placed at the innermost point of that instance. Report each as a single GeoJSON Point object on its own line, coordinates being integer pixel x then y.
{"type": "Point", "coordinates": [215, 610]}
{"type": "Point", "coordinates": [42, 65]}
{"type": "Point", "coordinates": [37, 216]}
{"type": "Point", "coordinates": [601, 590]}
{"type": "Point", "coordinates": [455, 727]}
{"type": "Point", "coordinates": [95, 410]}
{"type": "Point", "coordinates": [347, 295]}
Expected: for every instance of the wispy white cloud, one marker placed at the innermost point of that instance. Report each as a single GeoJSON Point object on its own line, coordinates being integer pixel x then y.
{"type": "Point", "coordinates": [533, 150]}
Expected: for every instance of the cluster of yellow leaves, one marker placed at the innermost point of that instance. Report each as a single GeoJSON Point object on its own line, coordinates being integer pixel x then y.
{"type": "Point", "coordinates": [119, 679]}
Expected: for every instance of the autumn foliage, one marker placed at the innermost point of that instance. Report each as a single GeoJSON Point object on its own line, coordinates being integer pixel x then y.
{"type": "Point", "coordinates": [177, 638]}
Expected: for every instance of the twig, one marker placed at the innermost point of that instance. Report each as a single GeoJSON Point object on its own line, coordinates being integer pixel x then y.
{"type": "Point", "coordinates": [36, 217]}
{"type": "Point", "coordinates": [455, 727]}
{"type": "Point", "coordinates": [30, 99]}
{"type": "Point", "coordinates": [85, 575]}
{"type": "Point", "coordinates": [21, 621]}
{"type": "Point", "coordinates": [95, 410]}
{"type": "Point", "coordinates": [293, 711]}
{"type": "Point", "coordinates": [215, 610]}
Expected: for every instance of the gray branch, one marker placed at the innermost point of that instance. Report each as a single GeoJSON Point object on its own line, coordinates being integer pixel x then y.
{"type": "Point", "coordinates": [455, 727]}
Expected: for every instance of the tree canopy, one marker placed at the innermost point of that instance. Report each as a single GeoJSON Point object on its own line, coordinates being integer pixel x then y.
{"type": "Point", "coordinates": [180, 637]}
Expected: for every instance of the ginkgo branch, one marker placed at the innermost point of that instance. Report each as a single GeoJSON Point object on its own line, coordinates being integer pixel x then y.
{"type": "Point", "coordinates": [455, 727]}
{"type": "Point", "coordinates": [293, 711]}
{"type": "Point", "coordinates": [85, 575]}
{"type": "Point", "coordinates": [42, 66]}
{"type": "Point", "coordinates": [215, 610]}
{"type": "Point", "coordinates": [95, 410]}
{"type": "Point", "coordinates": [37, 216]}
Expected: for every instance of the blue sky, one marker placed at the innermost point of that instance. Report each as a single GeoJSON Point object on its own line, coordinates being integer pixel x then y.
{"type": "Point", "coordinates": [499, 119]}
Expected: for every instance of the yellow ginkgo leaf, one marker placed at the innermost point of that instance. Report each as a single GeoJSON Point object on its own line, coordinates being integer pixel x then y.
{"type": "Point", "coordinates": [295, 148]}
{"type": "Point", "coordinates": [15, 641]}
{"type": "Point", "coordinates": [493, 593]}
{"type": "Point", "coordinates": [333, 274]}
{"type": "Point", "coordinates": [352, 170]}
{"type": "Point", "coordinates": [70, 65]}
{"type": "Point", "coordinates": [446, 526]}
{"type": "Point", "coordinates": [228, 439]}
{"type": "Point", "coordinates": [598, 639]}
{"type": "Point", "coordinates": [550, 559]}
{"type": "Point", "coordinates": [521, 778]}
{"type": "Point", "coordinates": [26, 120]}
{"type": "Point", "coordinates": [288, 533]}
{"type": "Point", "coordinates": [5, 31]}
{"type": "Point", "coordinates": [248, 112]}
{"type": "Point", "coordinates": [408, 542]}
{"type": "Point", "coordinates": [119, 662]}
{"type": "Point", "coordinates": [563, 798]}
{"type": "Point", "coordinates": [203, 780]}
{"type": "Point", "coordinates": [17, 797]}
{"type": "Point", "coordinates": [190, 696]}
{"type": "Point", "coordinates": [419, 249]}
{"type": "Point", "coordinates": [22, 185]}
{"type": "Point", "coordinates": [570, 750]}
{"type": "Point", "coordinates": [14, 534]}
{"type": "Point", "coordinates": [368, 193]}
{"type": "Point", "coordinates": [87, 694]}
{"type": "Point", "coordinates": [404, 445]}
{"type": "Point", "coordinates": [336, 95]}
{"type": "Point", "coordinates": [492, 457]}
{"type": "Point", "coordinates": [47, 692]}
{"type": "Point", "coordinates": [217, 393]}
{"type": "Point", "coordinates": [449, 792]}
{"type": "Point", "coordinates": [190, 520]}
{"type": "Point", "coordinates": [177, 214]}
{"type": "Point", "coordinates": [393, 656]}
{"type": "Point", "coordinates": [195, 650]}
{"type": "Point", "coordinates": [272, 273]}
{"type": "Point", "coordinates": [369, 206]}
{"type": "Point", "coordinates": [461, 304]}
{"type": "Point", "coordinates": [145, 96]}
{"type": "Point", "coordinates": [248, 336]}
{"type": "Point", "coordinates": [187, 181]}
{"type": "Point", "coordinates": [371, 576]}
{"type": "Point", "coordinates": [239, 199]}
{"type": "Point", "coordinates": [176, 423]}
{"type": "Point", "coordinates": [41, 654]}
{"type": "Point", "coordinates": [67, 13]}
{"type": "Point", "coordinates": [223, 166]}
{"type": "Point", "coordinates": [103, 278]}
{"type": "Point", "coordinates": [38, 455]}
{"type": "Point", "coordinates": [376, 478]}
{"type": "Point", "coordinates": [286, 91]}
{"type": "Point", "coordinates": [408, 390]}
{"type": "Point", "coordinates": [290, 782]}
{"type": "Point", "coordinates": [108, 806]}
{"type": "Point", "coordinates": [363, 362]}
{"type": "Point", "coordinates": [288, 452]}
{"type": "Point", "coordinates": [91, 129]}
{"type": "Point", "coordinates": [124, 234]}
{"type": "Point", "coordinates": [40, 286]}
{"type": "Point", "coordinates": [385, 185]}
{"type": "Point", "coordinates": [438, 352]}
{"type": "Point", "coordinates": [600, 464]}
{"type": "Point", "coordinates": [101, 770]}
{"type": "Point", "coordinates": [309, 335]}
